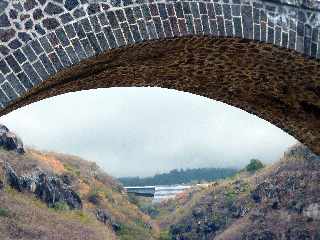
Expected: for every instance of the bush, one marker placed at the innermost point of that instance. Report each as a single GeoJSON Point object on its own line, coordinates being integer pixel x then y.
{"type": "Point", "coordinates": [96, 195]}
{"type": "Point", "coordinates": [4, 212]}
{"type": "Point", "coordinates": [165, 235]}
{"type": "Point", "coordinates": [150, 210]}
{"type": "Point", "coordinates": [254, 165]}
{"type": "Point", "coordinates": [61, 206]}
{"type": "Point", "coordinates": [133, 199]}
{"type": "Point", "coordinates": [94, 198]}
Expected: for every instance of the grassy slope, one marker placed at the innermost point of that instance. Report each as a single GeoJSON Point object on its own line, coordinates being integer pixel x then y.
{"type": "Point", "coordinates": [297, 176]}
{"type": "Point", "coordinates": [24, 217]}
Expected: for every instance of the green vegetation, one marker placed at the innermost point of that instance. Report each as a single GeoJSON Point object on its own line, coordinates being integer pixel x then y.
{"type": "Point", "coordinates": [61, 206]}
{"type": "Point", "coordinates": [165, 235]}
{"type": "Point", "coordinates": [94, 196]}
{"type": "Point", "coordinates": [131, 231]}
{"type": "Point", "coordinates": [254, 165]}
{"type": "Point", "coordinates": [132, 198]}
{"type": "Point", "coordinates": [71, 169]}
{"type": "Point", "coordinates": [4, 212]}
{"type": "Point", "coordinates": [230, 195]}
{"type": "Point", "coordinates": [145, 205]}
{"type": "Point", "coordinates": [180, 176]}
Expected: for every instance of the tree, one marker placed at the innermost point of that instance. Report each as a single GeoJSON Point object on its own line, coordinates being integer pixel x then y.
{"type": "Point", "coordinates": [254, 165]}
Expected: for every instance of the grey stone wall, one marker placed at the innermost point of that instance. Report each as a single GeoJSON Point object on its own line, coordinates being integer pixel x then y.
{"type": "Point", "coordinates": [39, 38]}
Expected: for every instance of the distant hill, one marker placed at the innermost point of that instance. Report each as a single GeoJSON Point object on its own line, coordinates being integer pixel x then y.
{"type": "Point", "coordinates": [180, 176]}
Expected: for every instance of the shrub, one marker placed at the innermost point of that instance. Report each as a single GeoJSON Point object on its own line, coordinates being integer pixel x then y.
{"type": "Point", "coordinates": [133, 199]}
{"type": "Point", "coordinates": [254, 165]}
{"type": "Point", "coordinates": [61, 206]}
{"type": "Point", "coordinates": [150, 210]}
{"type": "Point", "coordinates": [165, 235]}
{"type": "Point", "coordinates": [95, 196]}
{"type": "Point", "coordinates": [4, 212]}
{"type": "Point", "coordinates": [72, 170]}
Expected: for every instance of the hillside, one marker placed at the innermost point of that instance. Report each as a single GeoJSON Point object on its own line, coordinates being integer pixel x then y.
{"type": "Point", "coordinates": [182, 176]}
{"type": "Point", "coordinates": [77, 200]}
{"type": "Point", "coordinates": [53, 196]}
{"type": "Point", "coordinates": [281, 201]}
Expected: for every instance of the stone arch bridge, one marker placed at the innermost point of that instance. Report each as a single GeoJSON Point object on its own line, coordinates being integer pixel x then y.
{"type": "Point", "coordinates": [258, 55]}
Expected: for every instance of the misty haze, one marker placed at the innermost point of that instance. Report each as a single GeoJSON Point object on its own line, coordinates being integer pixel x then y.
{"type": "Point", "coordinates": [143, 131]}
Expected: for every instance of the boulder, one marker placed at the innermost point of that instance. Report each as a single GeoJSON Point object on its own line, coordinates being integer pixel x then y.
{"type": "Point", "coordinates": [12, 178]}
{"type": "Point", "coordinates": [106, 218]}
{"type": "Point", "coordinates": [10, 141]}
{"type": "Point", "coordinates": [51, 190]}
{"type": "Point", "coordinates": [115, 226]}
{"type": "Point", "coordinates": [256, 197]}
{"type": "Point", "coordinates": [103, 216]}
{"type": "Point", "coordinates": [198, 213]}
{"type": "Point", "coordinates": [238, 210]}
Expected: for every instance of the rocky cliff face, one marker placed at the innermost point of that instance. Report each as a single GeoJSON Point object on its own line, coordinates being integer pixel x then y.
{"type": "Point", "coordinates": [50, 189]}
{"type": "Point", "coordinates": [9, 140]}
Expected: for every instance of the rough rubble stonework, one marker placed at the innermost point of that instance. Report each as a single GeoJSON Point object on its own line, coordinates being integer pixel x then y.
{"type": "Point", "coordinates": [261, 56]}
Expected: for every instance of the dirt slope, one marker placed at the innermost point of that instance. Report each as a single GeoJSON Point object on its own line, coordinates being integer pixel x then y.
{"type": "Point", "coordinates": [23, 216]}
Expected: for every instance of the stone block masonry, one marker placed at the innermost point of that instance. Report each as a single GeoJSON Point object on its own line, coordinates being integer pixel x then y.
{"type": "Point", "coordinates": [258, 55]}
{"type": "Point", "coordinates": [39, 38]}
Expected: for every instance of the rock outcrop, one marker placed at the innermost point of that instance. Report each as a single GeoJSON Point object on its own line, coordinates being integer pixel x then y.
{"type": "Point", "coordinates": [50, 189]}
{"type": "Point", "coordinates": [10, 141]}
{"type": "Point", "coordinates": [106, 218]}
{"type": "Point", "coordinates": [281, 201]}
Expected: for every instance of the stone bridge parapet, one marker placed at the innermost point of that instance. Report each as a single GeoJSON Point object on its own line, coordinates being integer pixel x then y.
{"type": "Point", "coordinates": [39, 38]}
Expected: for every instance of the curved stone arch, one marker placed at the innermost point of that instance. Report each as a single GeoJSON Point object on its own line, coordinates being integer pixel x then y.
{"type": "Point", "coordinates": [222, 47]}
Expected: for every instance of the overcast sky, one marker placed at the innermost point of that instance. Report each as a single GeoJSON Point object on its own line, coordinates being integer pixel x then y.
{"type": "Point", "coordinates": [143, 131]}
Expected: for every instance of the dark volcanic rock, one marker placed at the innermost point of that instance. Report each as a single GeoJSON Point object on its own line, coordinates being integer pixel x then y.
{"type": "Point", "coordinates": [10, 141]}
{"type": "Point", "coordinates": [104, 217]}
{"type": "Point", "coordinates": [12, 178]}
{"type": "Point", "coordinates": [94, 199]}
{"type": "Point", "coordinates": [50, 189]}
{"type": "Point", "coordinates": [298, 233]}
{"type": "Point", "coordinates": [259, 235]}
{"type": "Point", "coordinates": [1, 185]}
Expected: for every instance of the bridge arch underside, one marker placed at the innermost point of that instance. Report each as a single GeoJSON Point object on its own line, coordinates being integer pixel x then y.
{"type": "Point", "coordinates": [261, 56]}
{"type": "Point", "coordinates": [273, 83]}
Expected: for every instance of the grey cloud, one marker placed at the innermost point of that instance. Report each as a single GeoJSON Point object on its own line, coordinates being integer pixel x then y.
{"type": "Point", "coordinates": [141, 131]}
